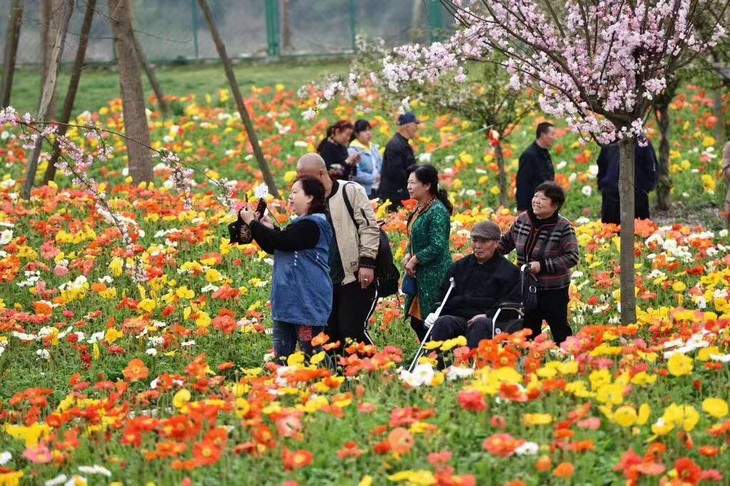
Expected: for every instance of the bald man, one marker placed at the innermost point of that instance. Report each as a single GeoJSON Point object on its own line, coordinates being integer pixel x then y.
{"type": "Point", "coordinates": [352, 253]}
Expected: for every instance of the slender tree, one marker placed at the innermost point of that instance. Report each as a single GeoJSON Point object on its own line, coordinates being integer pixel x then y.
{"type": "Point", "coordinates": [51, 22]}
{"type": "Point", "coordinates": [49, 87]}
{"type": "Point", "coordinates": [151, 76]}
{"type": "Point", "coordinates": [662, 116]}
{"type": "Point", "coordinates": [228, 67]}
{"type": "Point", "coordinates": [11, 50]}
{"type": "Point", "coordinates": [130, 84]}
{"type": "Point", "coordinates": [73, 86]}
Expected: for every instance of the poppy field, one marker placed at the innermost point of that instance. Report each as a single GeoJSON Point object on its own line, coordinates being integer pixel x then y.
{"type": "Point", "coordinates": [134, 345]}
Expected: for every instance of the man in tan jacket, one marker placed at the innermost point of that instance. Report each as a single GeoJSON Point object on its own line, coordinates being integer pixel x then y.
{"type": "Point", "coordinates": [352, 254]}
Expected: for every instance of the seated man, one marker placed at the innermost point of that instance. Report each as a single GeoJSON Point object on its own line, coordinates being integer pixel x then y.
{"type": "Point", "coordinates": [482, 281]}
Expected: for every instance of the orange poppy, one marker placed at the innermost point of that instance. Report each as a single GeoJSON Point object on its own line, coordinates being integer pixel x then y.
{"type": "Point", "coordinates": [501, 445]}
{"type": "Point", "coordinates": [564, 470]}
{"type": "Point", "coordinates": [206, 452]}
{"type": "Point", "coordinates": [400, 440]}
{"type": "Point", "coordinates": [136, 370]}
{"type": "Point", "coordinates": [297, 459]}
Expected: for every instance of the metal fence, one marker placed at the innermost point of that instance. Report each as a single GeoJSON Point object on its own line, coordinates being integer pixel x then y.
{"type": "Point", "coordinates": [175, 30]}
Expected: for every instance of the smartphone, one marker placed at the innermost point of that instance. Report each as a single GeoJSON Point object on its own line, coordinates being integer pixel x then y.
{"type": "Point", "coordinates": [261, 208]}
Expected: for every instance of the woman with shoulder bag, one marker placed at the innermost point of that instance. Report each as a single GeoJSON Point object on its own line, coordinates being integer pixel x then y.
{"type": "Point", "coordinates": [547, 244]}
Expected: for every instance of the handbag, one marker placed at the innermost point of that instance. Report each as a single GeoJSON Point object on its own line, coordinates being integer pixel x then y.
{"type": "Point", "coordinates": [239, 232]}
{"type": "Point", "coordinates": [529, 290]}
{"type": "Point", "coordinates": [408, 286]}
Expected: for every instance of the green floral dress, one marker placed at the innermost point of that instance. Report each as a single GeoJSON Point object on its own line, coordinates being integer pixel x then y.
{"type": "Point", "coordinates": [429, 241]}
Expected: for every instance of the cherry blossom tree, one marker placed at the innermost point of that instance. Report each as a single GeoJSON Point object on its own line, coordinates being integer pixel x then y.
{"type": "Point", "coordinates": [597, 64]}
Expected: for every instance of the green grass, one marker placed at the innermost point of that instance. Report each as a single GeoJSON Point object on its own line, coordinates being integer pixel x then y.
{"type": "Point", "coordinates": [98, 85]}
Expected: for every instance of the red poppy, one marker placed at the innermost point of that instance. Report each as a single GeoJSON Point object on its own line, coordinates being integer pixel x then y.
{"type": "Point", "coordinates": [687, 471]}
{"type": "Point", "coordinates": [350, 450]}
{"type": "Point", "coordinates": [472, 400]}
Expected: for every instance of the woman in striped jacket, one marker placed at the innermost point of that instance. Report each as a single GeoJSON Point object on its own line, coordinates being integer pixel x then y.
{"type": "Point", "coordinates": [546, 242]}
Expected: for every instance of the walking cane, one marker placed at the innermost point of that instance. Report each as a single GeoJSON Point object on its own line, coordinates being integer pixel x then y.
{"type": "Point", "coordinates": [428, 333]}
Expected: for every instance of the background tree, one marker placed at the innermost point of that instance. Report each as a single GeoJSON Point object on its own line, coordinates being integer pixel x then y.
{"type": "Point", "coordinates": [73, 86]}
{"type": "Point", "coordinates": [49, 87]}
{"type": "Point", "coordinates": [12, 35]}
{"type": "Point", "coordinates": [228, 68]}
{"type": "Point", "coordinates": [661, 114]}
{"type": "Point", "coordinates": [130, 85]}
{"type": "Point", "coordinates": [52, 16]}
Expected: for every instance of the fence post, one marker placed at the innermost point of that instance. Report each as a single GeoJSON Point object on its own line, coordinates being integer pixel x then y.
{"type": "Point", "coordinates": [436, 25]}
{"type": "Point", "coordinates": [194, 9]}
{"type": "Point", "coordinates": [272, 27]}
{"type": "Point", "coordinates": [353, 25]}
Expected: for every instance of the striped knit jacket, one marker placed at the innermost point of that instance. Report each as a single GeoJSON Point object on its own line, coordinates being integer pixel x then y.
{"type": "Point", "coordinates": [553, 244]}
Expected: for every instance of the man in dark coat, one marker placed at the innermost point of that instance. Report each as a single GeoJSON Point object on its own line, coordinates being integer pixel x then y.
{"type": "Point", "coordinates": [646, 175]}
{"type": "Point", "coordinates": [398, 157]}
{"type": "Point", "coordinates": [482, 281]}
{"type": "Point", "coordinates": [536, 166]}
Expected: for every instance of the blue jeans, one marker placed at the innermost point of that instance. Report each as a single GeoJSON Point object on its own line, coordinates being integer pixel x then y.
{"type": "Point", "coordinates": [285, 336]}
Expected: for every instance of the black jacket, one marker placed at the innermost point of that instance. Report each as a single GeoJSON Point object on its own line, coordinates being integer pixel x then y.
{"type": "Point", "coordinates": [536, 167]}
{"type": "Point", "coordinates": [479, 287]}
{"type": "Point", "coordinates": [335, 155]}
{"type": "Point", "coordinates": [398, 157]}
{"type": "Point", "coordinates": [646, 172]}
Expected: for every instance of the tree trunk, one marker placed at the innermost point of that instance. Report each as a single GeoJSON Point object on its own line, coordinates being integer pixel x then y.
{"type": "Point", "coordinates": [49, 88]}
{"type": "Point", "coordinates": [73, 86]}
{"type": "Point", "coordinates": [130, 85]}
{"type": "Point", "coordinates": [268, 178]}
{"type": "Point", "coordinates": [151, 76]}
{"type": "Point", "coordinates": [11, 50]}
{"type": "Point", "coordinates": [664, 186]}
{"type": "Point", "coordinates": [51, 22]}
{"type": "Point", "coordinates": [626, 195]}
{"type": "Point", "coordinates": [416, 15]}
{"type": "Point", "coordinates": [501, 177]}
{"type": "Point", "coordinates": [726, 176]}
{"type": "Point", "coordinates": [718, 131]}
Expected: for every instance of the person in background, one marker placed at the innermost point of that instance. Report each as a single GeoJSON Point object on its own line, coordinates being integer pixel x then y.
{"type": "Point", "coordinates": [546, 242]}
{"type": "Point", "coordinates": [301, 291]}
{"type": "Point", "coordinates": [397, 159]}
{"type": "Point", "coordinates": [352, 253]}
{"type": "Point", "coordinates": [646, 176]}
{"type": "Point", "coordinates": [428, 258]}
{"type": "Point", "coordinates": [333, 149]}
{"type": "Point", "coordinates": [370, 164]}
{"type": "Point", "coordinates": [536, 166]}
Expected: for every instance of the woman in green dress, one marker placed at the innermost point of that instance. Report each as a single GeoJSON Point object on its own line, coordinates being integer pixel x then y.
{"type": "Point", "coordinates": [428, 258]}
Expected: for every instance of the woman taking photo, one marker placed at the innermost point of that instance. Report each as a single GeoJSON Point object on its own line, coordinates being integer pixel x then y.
{"type": "Point", "coordinates": [301, 290]}
{"type": "Point", "coordinates": [428, 259]}
{"type": "Point", "coordinates": [368, 169]}
{"type": "Point", "coordinates": [333, 149]}
{"type": "Point", "coordinates": [546, 242]}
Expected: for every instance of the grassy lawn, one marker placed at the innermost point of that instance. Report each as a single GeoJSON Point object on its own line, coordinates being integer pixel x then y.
{"type": "Point", "coordinates": [100, 84]}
